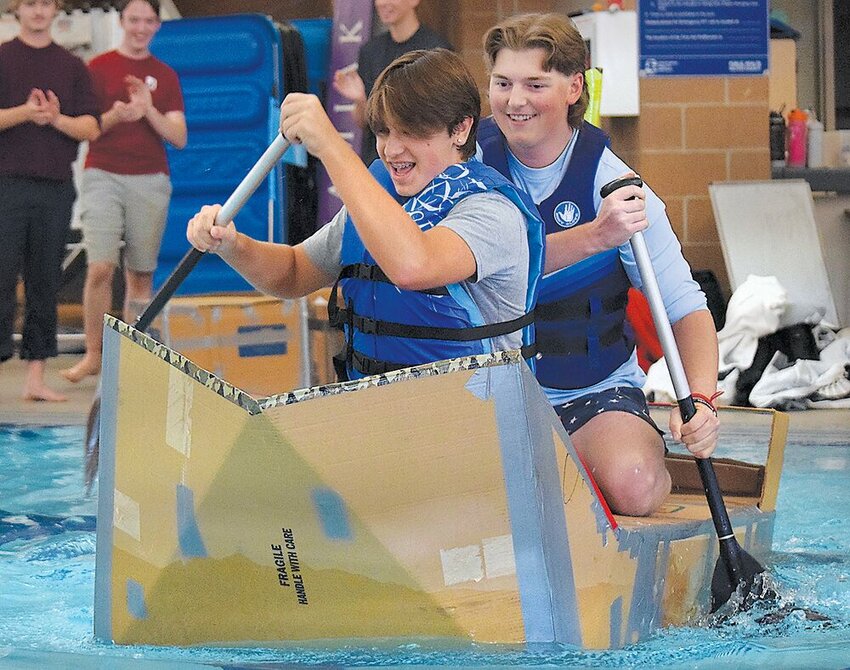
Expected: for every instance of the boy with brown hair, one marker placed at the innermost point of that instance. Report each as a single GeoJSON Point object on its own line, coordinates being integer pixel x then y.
{"type": "Point", "coordinates": [404, 33]}
{"type": "Point", "coordinates": [586, 356]}
{"type": "Point", "coordinates": [436, 255]}
{"type": "Point", "coordinates": [126, 187]}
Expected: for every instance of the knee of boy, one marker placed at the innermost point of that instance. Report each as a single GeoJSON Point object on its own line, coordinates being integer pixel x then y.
{"type": "Point", "coordinates": [639, 489]}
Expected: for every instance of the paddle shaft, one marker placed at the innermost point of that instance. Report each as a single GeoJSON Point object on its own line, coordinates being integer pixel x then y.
{"type": "Point", "coordinates": [226, 214]}
{"type": "Point", "coordinates": [228, 211]}
{"type": "Point", "coordinates": [730, 550]}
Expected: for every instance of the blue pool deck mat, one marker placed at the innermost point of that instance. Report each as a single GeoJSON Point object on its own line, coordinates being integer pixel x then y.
{"type": "Point", "coordinates": [230, 73]}
{"type": "Point", "coordinates": [316, 34]}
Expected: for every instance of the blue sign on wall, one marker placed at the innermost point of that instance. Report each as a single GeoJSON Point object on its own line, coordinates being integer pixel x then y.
{"type": "Point", "coordinates": [703, 37]}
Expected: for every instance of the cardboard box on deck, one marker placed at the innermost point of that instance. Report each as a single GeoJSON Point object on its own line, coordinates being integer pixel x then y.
{"type": "Point", "coordinates": [252, 341]}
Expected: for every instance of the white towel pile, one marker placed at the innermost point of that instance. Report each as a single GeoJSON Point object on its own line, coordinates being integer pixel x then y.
{"type": "Point", "coordinates": [760, 307]}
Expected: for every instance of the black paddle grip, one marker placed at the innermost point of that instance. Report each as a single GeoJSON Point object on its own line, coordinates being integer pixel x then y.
{"type": "Point", "coordinates": [612, 186]}
{"type": "Point", "coordinates": [687, 408]}
{"type": "Point", "coordinates": [735, 565]}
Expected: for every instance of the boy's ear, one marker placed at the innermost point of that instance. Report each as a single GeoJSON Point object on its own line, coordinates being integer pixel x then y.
{"type": "Point", "coordinates": [576, 87]}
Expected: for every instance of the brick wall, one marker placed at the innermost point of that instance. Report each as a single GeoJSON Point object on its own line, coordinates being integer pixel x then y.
{"type": "Point", "coordinates": [473, 18]}
{"type": "Point", "coordinates": [691, 132]}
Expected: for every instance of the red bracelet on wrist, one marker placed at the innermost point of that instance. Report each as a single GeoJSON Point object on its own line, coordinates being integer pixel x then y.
{"type": "Point", "coordinates": [705, 400]}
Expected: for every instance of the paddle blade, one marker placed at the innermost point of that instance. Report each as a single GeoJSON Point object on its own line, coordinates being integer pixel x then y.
{"type": "Point", "coordinates": [92, 443]}
{"type": "Point", "coordinates": [722, 586]}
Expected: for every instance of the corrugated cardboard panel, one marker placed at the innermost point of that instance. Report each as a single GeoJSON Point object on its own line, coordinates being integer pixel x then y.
{"type": "Point", "coordinates": [443, 501]}
{"type": "Point", "coordinates": [253, 341]}
{"type": "Point", "coordinates": [382, 512]}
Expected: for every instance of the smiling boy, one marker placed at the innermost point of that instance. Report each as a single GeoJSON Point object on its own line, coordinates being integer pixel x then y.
{"type": "Point", "coordinates": [126, 186]}
{"type": "Point", "coordinates": [436, 255]}
{"type": "Point", "coordinates": [587, 362]}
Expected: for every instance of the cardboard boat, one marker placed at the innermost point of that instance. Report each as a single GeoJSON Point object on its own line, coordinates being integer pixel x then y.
{"type": "Point", "coordinates": [443, 502]}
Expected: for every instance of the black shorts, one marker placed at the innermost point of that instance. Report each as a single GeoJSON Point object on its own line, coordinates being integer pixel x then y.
{"type": "Point", "coordinates": [578, 412]}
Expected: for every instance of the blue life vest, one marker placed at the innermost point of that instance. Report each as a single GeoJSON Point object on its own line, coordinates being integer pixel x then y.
{"type": "Point", "coordinates": [581, 311]}
{"type": "Point", "coordinates": [387, 328]}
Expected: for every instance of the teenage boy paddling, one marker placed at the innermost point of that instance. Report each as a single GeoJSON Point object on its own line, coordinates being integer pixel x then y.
{"type": "Point", "coordinates": [587, 361]}
{"type": "Point", "coordinates": [427, 239]}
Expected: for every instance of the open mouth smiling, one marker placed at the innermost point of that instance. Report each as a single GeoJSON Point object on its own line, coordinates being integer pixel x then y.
{"type": "Point", "coordinates": [402, 168]}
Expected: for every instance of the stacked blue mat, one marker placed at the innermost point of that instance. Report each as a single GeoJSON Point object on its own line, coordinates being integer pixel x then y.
{"type": "Point", "coordinates": [231, 71]}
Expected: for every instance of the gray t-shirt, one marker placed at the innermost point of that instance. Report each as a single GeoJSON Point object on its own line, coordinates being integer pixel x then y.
{"type": "Point", "coordinates": [493, 229]}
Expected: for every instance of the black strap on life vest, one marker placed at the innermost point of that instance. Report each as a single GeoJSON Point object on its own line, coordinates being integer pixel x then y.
{"type": "Point", "coordinates": [375, 273]}
{"type": "Point", "coordinates": [552, 343]}
{"type": "Point", "coordinates": [369, 326]}
{"type": "Point", "coordinates": [341, 317]}
{"type": "Point", "coordinates": [570, 309]}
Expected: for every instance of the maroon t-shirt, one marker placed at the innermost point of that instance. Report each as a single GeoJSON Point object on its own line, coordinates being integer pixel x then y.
{"type": "Point", "coordinates": [132, 148]}
{"type": "Point", "coordinates": [30, 150]}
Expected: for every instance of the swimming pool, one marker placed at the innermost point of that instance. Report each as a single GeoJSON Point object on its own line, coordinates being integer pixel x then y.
{"type": "Point", "coordinates": [47, 560]}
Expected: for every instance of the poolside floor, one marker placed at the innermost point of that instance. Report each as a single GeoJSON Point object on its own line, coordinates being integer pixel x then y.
{"type": "Point", "coordinates": [75, 411]}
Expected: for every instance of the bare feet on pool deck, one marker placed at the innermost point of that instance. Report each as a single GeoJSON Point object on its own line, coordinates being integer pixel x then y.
{"type": "Point", "coordinates": [87, 367]}
{"type": "Point", "coordinates": [34, 386]}
{"type": "Point", "coordinates": [40, 392]}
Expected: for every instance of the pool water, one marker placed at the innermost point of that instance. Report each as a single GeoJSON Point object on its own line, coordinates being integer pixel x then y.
{"type": "Point", "coordinates": [47, 563]}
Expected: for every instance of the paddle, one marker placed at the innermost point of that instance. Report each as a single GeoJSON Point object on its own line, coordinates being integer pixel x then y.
{"type": "Point", "coordinates": [228, 211]}
{"type": "Point", "coordinates": [735, 566]}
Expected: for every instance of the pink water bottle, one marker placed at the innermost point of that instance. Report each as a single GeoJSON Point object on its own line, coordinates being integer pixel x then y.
{"type": "Point", "coordinates": [797, 120]}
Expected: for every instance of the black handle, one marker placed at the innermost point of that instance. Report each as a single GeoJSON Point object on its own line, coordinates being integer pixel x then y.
{"type": "Point", "coordinates": [612, 186]}
{"type": "Point", "coordinates": [720, 517]}
{"type": "Point", "coordinates": [730, 550]}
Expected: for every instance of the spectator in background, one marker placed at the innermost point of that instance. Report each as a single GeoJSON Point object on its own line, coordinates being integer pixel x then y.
{"type": "Point", "coordinates": [47, 107]}
{"type": "Point", "coordinates": [126, 186]}
{"type": "Point", "coordinates": [404, 33]}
